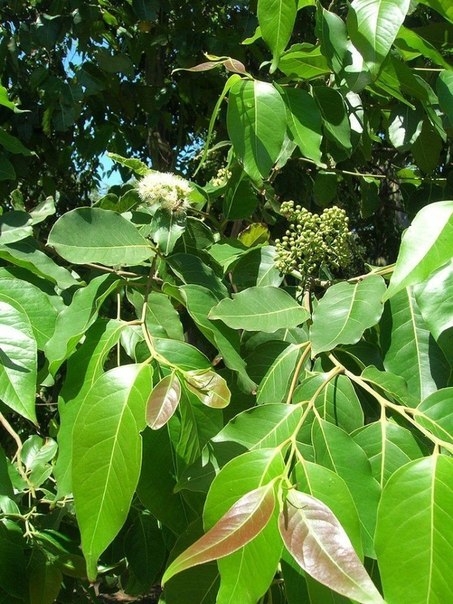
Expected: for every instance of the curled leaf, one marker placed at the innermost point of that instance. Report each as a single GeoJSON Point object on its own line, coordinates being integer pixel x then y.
{"type": "Point", "coordinates": [210, 388]}
{"type": "Point", "coordinates": [163, 401]}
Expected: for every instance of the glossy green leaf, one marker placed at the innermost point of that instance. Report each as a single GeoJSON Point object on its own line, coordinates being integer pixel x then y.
{"type": "Point", "coordinates": [29, 299]}
{"type": "Point", "coordinates": [18, 361]}
{"type": "Point", "coordinates": [405, 126]}
{"type": "Point", "coordinates": [435, 300]}
{"type": "Point", "coordinates": [158, 467]}
{"type": "Point", "coordinates": [166, 229]}
{"type": "Point", "coordinates": [414, 533]}
{"type": "Point", "coordinates": [334, 118]}
{"type": "Point", "coordinates": [15, 226]}
{"type": "Point", "coordinates": [337, 451]}
{"type": "Point", "coordinates": [257, 268]}
{"type": "Point", "coordinates": [276, 19]}
{"type": "Point", "coordinates": [393, 386]}
{"type": "Point", "coordinates": [388, 447]}
{"type": "Point", "coordinates": [89, 235]}
{"type": "Point", "coordinates": [240, 525]}
{"type": "Point", "coordinates": [435, 413]}
{"type": "Point", "coordinates": [262, 427]}
{"type": "Point", "coordinates": [304, 122]}
{"type": "Point", "coordinates": [191, 269]}
{"type": "Point", "coordinates": [75, 319]}
{"type": "Point", "coordinates": [332, 32]}
{"type": "Point", "coordinates": [144, 549]}
{"type": "Point", "coordinates": [427, 148]}
{"type": "Point", "coordinates": [107, 455]}
{"type": "Point", "coordinates": [304, 62]}
{"type": "Point", "coordinates": [425, 247]}
{"type": "Point", "coordinates": [246, 574]}
{"type": "Point", "coordinates": [274, 386]}
{"type": "Point", "coordinates": [409, 349]}
{"type": "Point", "coordinates": [410, 43]}
{"type": "Point", "coordinates": [183, 355]}
{"type": "Point", "coordinates": [316, 539]}
{"type": "Point", "coordinates": [26, 254]}
{"type": "Point", "coordinates": [256, 125]}
{"type": "Point", "coordinates": [260, 309]}
{"type": "Point", "coordinates": [163, 401]}
{"type": "Point", "coordinates": [45, 579]}
{"type": "Point", "coordinates": [373, 26]}
{"type": "Point", "coordinates": [345, 311]}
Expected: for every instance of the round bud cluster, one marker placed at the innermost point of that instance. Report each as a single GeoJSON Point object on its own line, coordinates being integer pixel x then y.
{"type": "Point", "coordinates": [313, 241]}
{"type": "Point", "coordinates": [168, 191]}
{"type": "Point", "coordinates": [221, 178]}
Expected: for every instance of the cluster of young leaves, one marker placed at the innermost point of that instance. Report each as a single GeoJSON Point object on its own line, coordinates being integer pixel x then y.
{"type": "Point", "coordinates": [176, 414]}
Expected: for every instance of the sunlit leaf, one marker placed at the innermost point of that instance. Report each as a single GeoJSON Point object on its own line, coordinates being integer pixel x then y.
{"type": "Point", "coordinates": [345, 311]}
{"type": "Point", "coordinates": [435, 413]}
{"type": "Point", "coordinates": [425, 247]}
{"type": "Point", "coordinates": [163, 401]}
{"type": "Point", "coordinates": [260, 309]}
{"type": "Point", "coordinates": [414, 533]}
{"type": "Point", "coordinates": [242, 523]}
{"type": "Point", "coordinates": [276, 19]}
{"type": "Point", "coordinates": [93, 235]}
{"type": "Point", "coordinates": [107, 452]}
{"type": "Point", "coordinates": [209, 387]}
{"type": "Point", "coordinates": [316, 539]}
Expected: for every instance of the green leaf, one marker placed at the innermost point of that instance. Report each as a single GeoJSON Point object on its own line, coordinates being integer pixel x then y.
{"type": "Point", "coordinates": [29, 299]}
{"type": "Point", "coordinates": [334, 117]}
{"type": "Point", "coordinates": [246, 574]}
{"type": "Point", "coordinates": [209, 387]}
{"type": "Point", "coordinates": [241, 524]}
{"type": "Point", "coordinates": [262, 427]}
{"type": "Point", "coordinates": [260, 309]}
{"type": "Point", "coordinates": [276, 19]}
{"type": "Point", "coordinates": [409, 349]}
{"type": "Point", "coordinates": [388, 447]}
{"type": "Point", "coordinates": [316, 539]}
{"type": "Point", "coordinates": [163, 401]}
{"type": "Point", "coordinates": [15, 226]}
{"type": "Point", "coordinates": [191, 269]}
{"type": "Point", "coordinates": [257, 268]}
{"type": "Point", "coordinates": [425, 247]}
{"type": "Point", "coordinates": [18, 361]}
{"type": "Point", "coordinates": [75, 319]}
{"type": "Point", "coordinates": [443, 7]}
{"type": "Point", "coordinates": [414, 533]}
{"type": "Point", "coordinates": [256, 122]}
{"type": "Point", "coordinates": [12, 559]}
{"type": "Point", "coordinates": [410, 43]}
{"type": "Point", "coordinates": [405, 126]}
{"type": "Point", "coordinates": [107, 453]}
{"type": "Point", "coordinates": [435, 301]}
{"type": "Point", "coordinates": [45, 579]}
{"type": "Point", "coordinates": [89, 235]}
{"type": "Point", "coordinates": [275, 384]}
{"type": "Point", "coordinates": [166, 228]}
{"type": "Point", "coordinates": [444, 89]}
{"type": "Point", "coordinates": [304, 122]}
{"type": "Point", "coordinates": [137, 166]}
{"type": "Point", "coordinates": [331, 30]}
{"type": "Point", "coordinates": [435, 413]}
{"type": "Point", "coordinates": [304, 62]}
{"type": "Point", "coordinates": [337, 451]}
{"type": "Point", "coordinates": [26, 254]}
{"type": "Point", "coordinates": [144, 549]}
{"type": "Point", "coordinates": [7, 171]}
{"type": "Point", "coordinates": [427, 148]}
{"type": "Point", "coordinates": [4, 100]}
{"type": "Point", "coordinates": [13, 144]}
{"type": "Point", "coordinates": [393, 386]}
{"type": "Point", "coordinates": [345, 311]}
{"type": "Point", "coordinates": [373, 26]}
{"type": "Point", "coordinates": [239, 199]}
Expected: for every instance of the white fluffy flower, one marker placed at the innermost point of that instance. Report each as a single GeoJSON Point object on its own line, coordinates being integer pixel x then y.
{"type": "Point", "coordinates": [169, 191]}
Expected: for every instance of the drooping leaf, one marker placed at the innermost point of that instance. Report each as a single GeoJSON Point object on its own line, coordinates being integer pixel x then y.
{"type": "Point", "coordinates": [240, 525]}
{"type": "Point", "coordinates": [87, 235]}
{"type": "Point", "coordinates": [107, 455]}
{"type": "Point", "coordinates": [276, 19]}
{"type": "Point", "coordinates": [260, 309]}
{"type": "Point", "coordinates": [414, 533]}
{"type": "Point", "coordinates": [345, 311]}
{"type": "Point", "coordinates": [256, 125]}
{"type": "Point", "coordinates": [275, 384]}
{"type": "Point", "coordinates": [304, 62]}
{"type": "Point", "coordinates": [145, 549]}
{"type": "Point", "coordinates": [334, 118]}
{"type": "Point", "coordinates": [304, 122]}
{"type": "Point", "coordinates": [425, 247]}
{"type": "Point", "coordinates": [316, 539]}
{"type": "Point", "coordinates": [18, 361]}
{"type": "Point", "coordinates": [409, 349]}
{"type": "Point", "coordinates": [163, 401]}
{"type": "Point", "coordinates": [15, 226]}
{"type": "Point", "coordinates": [373, 26]}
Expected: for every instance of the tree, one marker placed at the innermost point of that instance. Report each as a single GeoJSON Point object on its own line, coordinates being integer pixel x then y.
{"type": "Point", "coordinates": [234, 402]}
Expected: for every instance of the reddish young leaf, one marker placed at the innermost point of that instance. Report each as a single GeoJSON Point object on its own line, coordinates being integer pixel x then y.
{"type": "Point", "coordinates": [241, 524]}
{"type": "Point", "coordinates": [319, 544]}
{"type": "Point", "coordinates": [163, 401]}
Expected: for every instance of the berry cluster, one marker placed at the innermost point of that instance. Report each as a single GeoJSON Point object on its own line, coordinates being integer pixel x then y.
{"type": "Point", "coordinates": [313, 241]}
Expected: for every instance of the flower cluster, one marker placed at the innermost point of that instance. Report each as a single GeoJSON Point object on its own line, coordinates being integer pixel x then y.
{"type": "Point", "coordinates": [221, 178]}
{"type": "Point", "coordinates": [168, 191]}
{"type": "Point", "coordinates": [313, 241]}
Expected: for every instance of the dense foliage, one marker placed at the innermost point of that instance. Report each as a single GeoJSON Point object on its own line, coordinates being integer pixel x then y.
{"type": "Point", "coordinates": [216, 384]}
